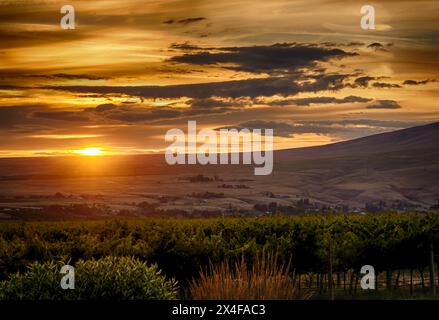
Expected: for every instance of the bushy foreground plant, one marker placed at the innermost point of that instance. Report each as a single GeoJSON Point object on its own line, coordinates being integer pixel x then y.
{"type": "Point", "coordinates": [109, 278]}
{"type": "Point", "coordinates": [263, 279]}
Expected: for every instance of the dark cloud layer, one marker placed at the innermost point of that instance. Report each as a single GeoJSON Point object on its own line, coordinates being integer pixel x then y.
{"type": "Point", "coordinates": [384, 104]}
{"type": "Point", "coordinates": [417, 83]}
{"type": "Point", "coordinates": [280, 129]}
{"type": "Point", "coordinates": [61, 115]}
{"type": "Point", "coordinates": [344, 128]}
{"type": "Point", "coordinates": [320, 100]}
{"type": "Point", "coordinates": [385, 85]}
{"type": "Point", "coordinates": [215, 103]}
{"type": "Point", "coordinates": [286, 130]}
{"type": "Point", "coordinates": [14, 115]}
{"type": "Point", "coordinates": [363, 81]}
{"type": "Point", "coordinates": [186, 46]}
{"type": "Point", "coordinates": [378, 46]}
{"type": "Point", "coordinates": [153, 114]}
{"type": "Point", "coordinates": [277, 58]}
{"type": "Point", "coordinates": [185, 21]}
{"type": "Point", "coordinates": [102, 108]}
{"type": "Point", "coordinates": [229, 89]}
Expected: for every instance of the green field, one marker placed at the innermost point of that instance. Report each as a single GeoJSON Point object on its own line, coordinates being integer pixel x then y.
{"type": "Point", "coordinates": [398, 246]}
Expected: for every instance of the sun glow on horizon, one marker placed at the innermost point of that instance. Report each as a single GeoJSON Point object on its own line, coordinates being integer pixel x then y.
{"type": "Point", "coordinates": [89, 152]}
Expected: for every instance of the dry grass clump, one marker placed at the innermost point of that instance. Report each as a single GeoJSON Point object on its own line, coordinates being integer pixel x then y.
{"type": "Point", "coordinates": [265, 279]}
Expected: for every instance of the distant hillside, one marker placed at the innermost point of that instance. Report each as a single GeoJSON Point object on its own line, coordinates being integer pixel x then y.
{"type": "Point", "coordinates": [400, 168]}
{"type": "Point", "coordinates": [397, 170]}
{"type": "Point", "coordinates": [416, 138]}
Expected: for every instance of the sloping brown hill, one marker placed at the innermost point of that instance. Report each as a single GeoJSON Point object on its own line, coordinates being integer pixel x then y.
{"type": "Point", "coordinates": [396, 167]}
{"type": "Point", "coordinates": [417, 138]}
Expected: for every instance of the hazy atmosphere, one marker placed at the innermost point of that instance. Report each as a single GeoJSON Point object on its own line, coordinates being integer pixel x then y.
{"type": "Point", "coordinates": [131, 70]}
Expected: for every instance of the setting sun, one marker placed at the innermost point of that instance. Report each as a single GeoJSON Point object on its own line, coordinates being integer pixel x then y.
{"type": "Point", "coordinates": [90, 152]}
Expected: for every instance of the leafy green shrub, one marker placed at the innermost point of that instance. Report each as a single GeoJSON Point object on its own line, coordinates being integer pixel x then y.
{"type": "Point", "coordinates": [109, 278]}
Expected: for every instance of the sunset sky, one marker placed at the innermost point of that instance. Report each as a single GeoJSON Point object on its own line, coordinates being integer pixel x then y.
{"type": "Point", "coordinates": [133, 69]}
